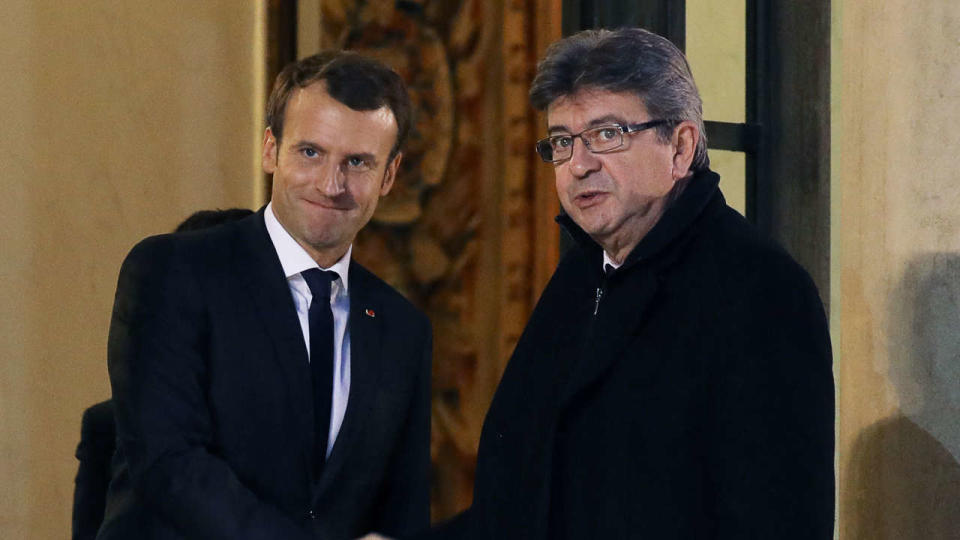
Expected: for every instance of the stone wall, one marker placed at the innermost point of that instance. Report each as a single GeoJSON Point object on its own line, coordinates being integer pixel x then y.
{"type": "Point", "coordinates": [896, 267]}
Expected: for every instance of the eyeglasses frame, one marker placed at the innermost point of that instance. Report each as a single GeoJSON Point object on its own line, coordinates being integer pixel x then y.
{"type": "Point", "coordinates": [624, 129]}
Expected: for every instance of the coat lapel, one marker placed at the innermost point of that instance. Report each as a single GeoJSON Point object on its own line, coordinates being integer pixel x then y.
{"type": "Point", "coordinates": [264, 281]}
{"type": "Point", "coordinates": [633, 288]}
{"type": "Point", "coordinates": [618, 323]}
{"type": "Point", "coordinates": [366, 326]}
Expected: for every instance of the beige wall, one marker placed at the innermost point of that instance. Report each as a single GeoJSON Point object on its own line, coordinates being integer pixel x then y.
{"type": "Point", "coordinates": [119, 119]}
{"type": "Point", "coordinates": [716, 50]}
{"type": "Point", "coordinates": [896, 267]}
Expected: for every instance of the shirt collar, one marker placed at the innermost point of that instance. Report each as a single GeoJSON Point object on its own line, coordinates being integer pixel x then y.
{"type": "Point", "coordinates": [293, 258]}
{"type": "Point", "coordinates": [607, 260]}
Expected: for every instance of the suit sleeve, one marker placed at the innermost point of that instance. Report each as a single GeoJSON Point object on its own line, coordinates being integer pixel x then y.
{"type": "Point", "coordinates": [157, 363]}
{"type": "Point", "coordinates": [405, 500]}
{"type": "Point", "coordinates": [771, 436]}
{"type": "Point", "coordinates": [94, 452]}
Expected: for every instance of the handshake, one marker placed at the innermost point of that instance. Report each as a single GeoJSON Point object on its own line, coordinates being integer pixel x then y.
{"type": "Point", "coordinates": [677, 383]}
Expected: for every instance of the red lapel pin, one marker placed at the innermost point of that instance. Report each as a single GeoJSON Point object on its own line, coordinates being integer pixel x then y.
{"type": "Point", "coordinates": [369, 312]}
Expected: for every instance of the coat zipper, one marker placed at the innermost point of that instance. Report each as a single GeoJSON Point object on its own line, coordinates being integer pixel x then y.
{"type": "Point", "coordinates": [602, 289]}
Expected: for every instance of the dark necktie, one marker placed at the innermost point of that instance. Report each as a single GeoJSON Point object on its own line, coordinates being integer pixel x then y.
{"type": "Point", "coordinates": [321, 359]}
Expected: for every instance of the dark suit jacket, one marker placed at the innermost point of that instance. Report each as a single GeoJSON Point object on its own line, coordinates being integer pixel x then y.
{"type": "Point", "coordinates": [695, 402]}
{"type": "Point", "coordinates": [95, 452]}
{"type": "Point", "coordinates": [214, 406]}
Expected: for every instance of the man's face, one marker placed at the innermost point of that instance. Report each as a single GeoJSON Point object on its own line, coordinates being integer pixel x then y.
{"type": "Point", "coordinates": [329, 170]}
{"type": "Point", "coordinates": [616, 197]}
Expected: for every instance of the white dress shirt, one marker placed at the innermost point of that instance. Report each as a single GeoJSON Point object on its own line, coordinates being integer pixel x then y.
{"type": "Point", "coordinates": [607, 260]}
{"type": "Point", "coordinates": [295, 260]}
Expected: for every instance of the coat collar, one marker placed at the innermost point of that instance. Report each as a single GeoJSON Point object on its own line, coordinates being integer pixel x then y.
{"type": "Point", "coordinates": [701, 191]}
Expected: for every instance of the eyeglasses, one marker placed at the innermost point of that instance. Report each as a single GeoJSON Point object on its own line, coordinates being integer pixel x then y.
{"type": "Point", "coordinates": [598, 140]}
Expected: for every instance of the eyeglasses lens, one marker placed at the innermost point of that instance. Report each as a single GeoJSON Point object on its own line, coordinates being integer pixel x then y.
{"type": "Point", "coordinates": [560, 147]}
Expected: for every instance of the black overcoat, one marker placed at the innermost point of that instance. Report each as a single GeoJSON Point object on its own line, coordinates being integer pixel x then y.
{"type": "Point", "coordinates": [695, 400]}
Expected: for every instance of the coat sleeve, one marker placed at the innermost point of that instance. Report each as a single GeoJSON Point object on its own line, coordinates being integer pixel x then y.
{"type": "Point", "coordinates": [404, 506]}
{"type": "Point", "coordinates": [158, 371]}
{"type": "Point", "coordinates": [770, 438]}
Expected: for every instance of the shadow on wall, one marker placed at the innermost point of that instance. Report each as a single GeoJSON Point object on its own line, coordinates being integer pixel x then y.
{"type": "Point", "coordinates": [905, 470]}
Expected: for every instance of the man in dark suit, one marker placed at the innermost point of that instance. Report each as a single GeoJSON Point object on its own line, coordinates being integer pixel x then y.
{"type": "Point", "coordinates": [675, 379]}
{"type": "Point", "coordinates": [94, 452]}
{"type": "Point", "coordinates": [265, 385]}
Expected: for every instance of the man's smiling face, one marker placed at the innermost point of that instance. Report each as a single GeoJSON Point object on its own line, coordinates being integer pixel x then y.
{"type": "Point", "coordinates": [329, 170]}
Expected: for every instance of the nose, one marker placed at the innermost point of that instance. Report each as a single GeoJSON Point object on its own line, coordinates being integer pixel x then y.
{"type": "Point", "coordinates": [330, 180]}
{"type": "Point", "coordinates": [582, 162]}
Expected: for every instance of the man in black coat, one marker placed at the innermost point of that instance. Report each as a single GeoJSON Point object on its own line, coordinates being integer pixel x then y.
{"type": "Point", "coordinates": [265, 384]}
{"type": "Point", "coordinates": [675, 379]}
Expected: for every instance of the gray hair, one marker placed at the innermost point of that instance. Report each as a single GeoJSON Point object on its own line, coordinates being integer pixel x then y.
{"type": "Point", "coordinates": [625, 60]}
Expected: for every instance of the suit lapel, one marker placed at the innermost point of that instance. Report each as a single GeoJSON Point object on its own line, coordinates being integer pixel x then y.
{"type": "Point", "coordinates": [264, 281]}
{"type": "Point", "coordinates": [366, 327]}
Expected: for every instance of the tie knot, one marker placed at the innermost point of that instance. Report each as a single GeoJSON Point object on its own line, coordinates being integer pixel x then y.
{"type": "Point", "coordinates": [608, 269]}
{"type": "Point", "coordinates": [319, 281]}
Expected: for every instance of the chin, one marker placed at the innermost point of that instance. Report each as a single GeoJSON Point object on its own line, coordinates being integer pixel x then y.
{"type": "Point", "coordinates": [590, 226]}
{"type": "Point", "coordinates": [324, 241]}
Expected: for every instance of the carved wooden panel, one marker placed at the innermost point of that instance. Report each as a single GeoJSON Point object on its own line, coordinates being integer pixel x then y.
{"type": "Point", "coordinates": [467, 233]}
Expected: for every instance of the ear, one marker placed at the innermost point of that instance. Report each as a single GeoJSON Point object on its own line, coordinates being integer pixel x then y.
{"type": "Point", "coordinates": [390, 174]}
{"type": "Point", "coordinates": [685, 139]}
{"type": "Point", "coordinates": [268, 156]}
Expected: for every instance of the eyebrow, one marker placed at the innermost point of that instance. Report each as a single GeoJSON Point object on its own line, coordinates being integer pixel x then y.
{"type": "Point", "coordinates": [603, 120]}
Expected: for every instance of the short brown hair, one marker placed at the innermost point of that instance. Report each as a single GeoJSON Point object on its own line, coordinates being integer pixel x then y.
{"type": "Point", "coordinates": [361, 83]}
